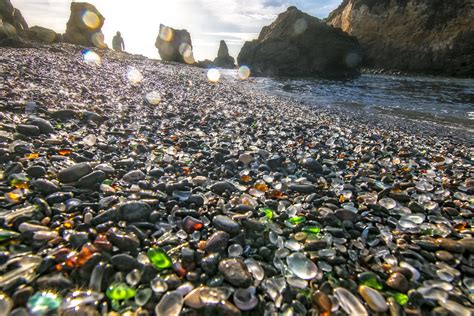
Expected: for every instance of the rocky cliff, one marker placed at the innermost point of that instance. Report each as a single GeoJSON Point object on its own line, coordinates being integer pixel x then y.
{"type": "Point", "coordinates": [297, 44]}
{"type": "Point", "coordinates": [174, 45]}
{"type": "Point", "coordinates": [85, 26]}
{"type": "Point", "coordinates": [12, 23]}
{"type": "Point", "coordinates": [421, 36]}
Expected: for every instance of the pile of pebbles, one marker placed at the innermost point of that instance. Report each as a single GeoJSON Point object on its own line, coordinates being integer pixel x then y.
{"type": "Point", "coordinates": [130, 186]}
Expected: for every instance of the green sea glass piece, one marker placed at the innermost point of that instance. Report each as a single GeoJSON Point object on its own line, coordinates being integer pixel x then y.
{"type": "Point", "coordinates": [295, 220]}
{"type": "Point", "coordinates": [120, 291]}
{"type": "Point", "coordinates": [7, 234]}
{"type": "Point", "coordinates": [371, 280]}
{"type": "Point", "coordinates": [268, 213]}
{"type": "Point", "coordinates": [401, 298]}
{"type": "Point", "coordinates": [159, 258]}
{"type": "Point", "coordinates": [312, 230]}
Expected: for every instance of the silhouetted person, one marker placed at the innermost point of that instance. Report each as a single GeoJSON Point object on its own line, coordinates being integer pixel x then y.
{"type": "Point", "coordinates": [117, 43]}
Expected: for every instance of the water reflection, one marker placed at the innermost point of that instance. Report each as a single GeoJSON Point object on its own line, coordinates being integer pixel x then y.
{"type": "Point", "coordinates": [444, 100]}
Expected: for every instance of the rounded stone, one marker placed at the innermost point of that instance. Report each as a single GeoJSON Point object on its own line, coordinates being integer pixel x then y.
{"type": "Point", "coordinates": [444, 255]}
{"type": "Point", "coordinates": [217, 242]}
{"type": "Point", "coordinates": [301, 266]}
{"type": "Point", "coordinates": [450, 245]}
{"type": "Point", "coordinates": [226, 224]}
{"type": "Point", "coordinates": [373, 298]}
{"type": "Point", "coordinates": [398, 282]}
{"type": "Point", "coordinates": [235, 272]}
{"type": "Point", "coordinates": [74, 172]}
{"type": "Point", "coordinates": [135, 211]}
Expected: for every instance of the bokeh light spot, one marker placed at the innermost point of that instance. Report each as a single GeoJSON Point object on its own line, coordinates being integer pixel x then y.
{"type": "Point", "coordinates": [153, 97]}
{"type": "Point", "coordinates": [166, 34]}
{"type": "Point", "coordinates": [98, 40]}
{"type": "Point", "coordinates": [91, 57]}
{"type": "Point", "coordinates": [213, 75]}
{"type": "Point", "coordinates": [91, 20]}
{"type": "Point", "coordinates": [134, 76]}
{"type": "Point", "coordinates": [353, 59]}
{"type": "Point", "coordinates": [300, 26]}
{"type": "Point", "coordinates": [243, 72]}
{"type": "Point", "coordinates": [187, 52]}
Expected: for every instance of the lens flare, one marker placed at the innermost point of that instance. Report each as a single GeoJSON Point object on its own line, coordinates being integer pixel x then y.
{"type": "Point", "coordinates": [213, 75]}
{"type": "Point", "coordinates": [243, 72]}
{"type": "Point", "coordinates": [153, 97]}
{"type": "Point", "coordinates": [300, 26]}
{"type": "Point", "coordinates": [353, 59]}
{"type": "Point", "coordinates": [91, 20]}
{"type": "Point", "coordinates": [91, 57]}
{"type": "Point", "coordinates": [187, 52]}
{"type": "Point", "coordinates": [134, 76]}
{"type": "Point", "coordinates": [189, 59]}
{"type": "Point", "coordinates": [98, 40]}
{"type": "Point", "coordinates": [166, 34]}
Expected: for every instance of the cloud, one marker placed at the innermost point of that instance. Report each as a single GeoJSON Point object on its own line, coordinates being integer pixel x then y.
{"type": "Point", "coordinates": [208, 21]}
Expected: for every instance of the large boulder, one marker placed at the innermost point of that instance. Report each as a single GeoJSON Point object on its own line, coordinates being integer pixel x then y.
{"type": "Point", "coordinates": [420, 36]}
{"type": "Point", "coordinates": [297, 44]}
{"type": "Point", "coordinates": [85, 26]}
{"type": "Point", "coordinates": [11, 23]}
{"type": "Point", "coordinates": [223, 59]}
{"type": "Point", "coordinates": [174, 45]}
{"type": "Point", "coordinates": [12, 16]}
{"type": "Point", "coordinates": [41, 34]}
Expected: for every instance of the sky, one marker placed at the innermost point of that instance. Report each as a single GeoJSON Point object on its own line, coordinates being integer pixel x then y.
{"type": "Point", "coordinates": [208, 21]}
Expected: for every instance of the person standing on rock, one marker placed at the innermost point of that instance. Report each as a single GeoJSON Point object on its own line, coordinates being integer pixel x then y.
{"type": "Point", "coordinates": [117, 43]}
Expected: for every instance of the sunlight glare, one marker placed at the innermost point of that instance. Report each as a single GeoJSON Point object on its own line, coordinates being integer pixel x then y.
{"type": "Point", "coordinates": [91, 20]}
{"type": "Point", "coordinates": [213, 75]}
{"type": "Point", "coordinates": [243, 72]}
{"type": "Point", "coordinates": [187, 52]}
{"type": "Point", "coordinates": [153, 97]}
{"type": "Point", "coordinates": [91, 57]}
{"type": "Point", "coordinates": [166, 34]}
{"type": "Point", "coordinates": [134, 76]}
{"type": "Point", "coordinates": [98, 40]}
{"type": "Point", "coordinates": [300, 26]}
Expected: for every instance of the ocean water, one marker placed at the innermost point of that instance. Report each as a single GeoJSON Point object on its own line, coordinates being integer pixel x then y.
{"type": "Point", "coordinates": [447, 101]}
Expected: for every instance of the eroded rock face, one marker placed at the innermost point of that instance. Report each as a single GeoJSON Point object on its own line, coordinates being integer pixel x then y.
{"type": "Point", "coordinates": [84, 26]}
{"type": "Point", "coordinates": [223, 59]}
{"type": "Point", "coordinates": [12, 23]}
{"type": "Point", "coordinates": [297, 44]}
{"type": "Point", "coordinates": [41, 34]}
{"type": "Point", "coordinates": [174, 45]}
{"type": "Point", "coordinates": [423, 36]}
{"type": "Point", "coordinates": [12, 16]}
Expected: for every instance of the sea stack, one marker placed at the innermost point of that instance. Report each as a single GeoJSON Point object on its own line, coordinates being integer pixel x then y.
{"type": "Point", "coordinates": [174, 45]}
{"type": "Point", "coordinates": [85, 26]}
{"type": "Point", "coordinates": [12, 23]}
{"type": "Point", "coordinates": [420, 36]}
{"type": "Point", "coordinates": [297, 44]}
{"type": "Point", "coordinates": [223, 59]}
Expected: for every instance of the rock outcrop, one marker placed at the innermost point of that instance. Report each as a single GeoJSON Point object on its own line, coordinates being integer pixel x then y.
{"type": "Point", "coordinates": [84, 26]}
{"type": "Point", "coordinates": [223, 59]}
{"type": "Point", "coordinates": [41, 34]}
{"type": "Point", "coordinates": [297, 44]}
{"type": "Point", "coordinates": [12, 16]}
{"type": "Point", "coordinates": [421, 36]}
{"type": "Point", "coordinates": [206, 64]}
{"type": "Point", "coordinates": [12, 23]}
{"type": "Point", "coordinates": [174, 45]}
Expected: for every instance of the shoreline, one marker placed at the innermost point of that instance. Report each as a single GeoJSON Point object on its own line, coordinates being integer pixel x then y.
{"type": "Point", "coordinates": [181, 195]}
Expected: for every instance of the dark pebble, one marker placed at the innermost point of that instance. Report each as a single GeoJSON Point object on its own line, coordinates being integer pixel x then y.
{"type": "Point", "coordinates": [235, 272]}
